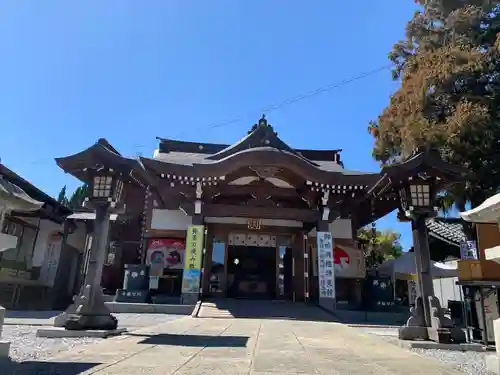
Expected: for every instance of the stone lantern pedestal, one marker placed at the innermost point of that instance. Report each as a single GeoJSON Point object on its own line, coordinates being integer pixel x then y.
{"type": "Point", "coordinates": [4, 345]}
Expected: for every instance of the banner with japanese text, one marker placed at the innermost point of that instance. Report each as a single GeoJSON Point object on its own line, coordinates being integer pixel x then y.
{"type": "Point", "coordinates": [326, 267]}
{"type": "Point", "coordinates": [192, 262]}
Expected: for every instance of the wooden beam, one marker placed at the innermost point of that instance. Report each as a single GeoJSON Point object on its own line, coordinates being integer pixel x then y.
{"type": "Point", "coordinates": [258, 190]}
{"type": "Point", "coordinates": [224, 210]}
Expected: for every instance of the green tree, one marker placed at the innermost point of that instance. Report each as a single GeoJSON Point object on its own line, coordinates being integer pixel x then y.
{"type": "Point", "coordinates": [449, 70]}
{"type": "Point", "coordinates": [78, 197]}
{"type": "Point", "coordinates": [61, 198]}
{"type": "Point", "coordinates": [380, 245]}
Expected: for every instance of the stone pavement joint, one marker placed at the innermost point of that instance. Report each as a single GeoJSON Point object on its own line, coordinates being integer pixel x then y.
{"type": "Point", "coordinates": [190, 346]}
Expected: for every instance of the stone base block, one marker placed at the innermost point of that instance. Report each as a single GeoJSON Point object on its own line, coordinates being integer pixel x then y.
{"type": "Point", "coordinates": [57, 332]}
{"type": "Point", "coordinates": [442, 335]}
{"type": "Point", "coordinates": [81, 322]}
{"type": "Point", "coordinates": [412, 333]}
{"type": "Point", "coordinates": [431, 345]}
{"type": "Point", "coordinates": [190, 298]}
{"type": "Point", "coordinates": [127, 296]}
{"type": "Point", "coordinates": [148, 308]}
{"type": "Point", "coordinates": [493, 363]}
{"type": "Point", "coordinates": [4, 349]}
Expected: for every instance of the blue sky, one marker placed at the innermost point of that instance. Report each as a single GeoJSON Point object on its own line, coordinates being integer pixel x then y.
{"type": "Point", "coordinates": [74, 71]}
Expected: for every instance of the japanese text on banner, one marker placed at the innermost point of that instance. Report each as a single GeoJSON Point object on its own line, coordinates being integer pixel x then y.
{"type": "Point", "coordinates": [194, 247]}
{"type": "Point", "coordinates": [326, 270]}
{"type": "Point", "coordinates": [191, 277]}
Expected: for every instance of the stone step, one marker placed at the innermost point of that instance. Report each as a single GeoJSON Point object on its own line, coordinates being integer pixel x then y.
{"type": "Point", "coordinates": [210, 310]}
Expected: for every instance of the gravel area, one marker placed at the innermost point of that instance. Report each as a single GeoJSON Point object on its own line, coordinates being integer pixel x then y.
{"type": "Point", "coordinates": [472, 363]}
{"type": "Point", "coordinates": [25, 346]}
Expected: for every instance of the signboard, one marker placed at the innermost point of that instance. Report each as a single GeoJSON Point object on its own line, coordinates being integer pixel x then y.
{"type": "Point", "coordinates": [380, 292]}
{"type": "Point", "coordinates": [194, 252]}
{"type": "Point", "coordinates": [348, 262]}
{"type": "Point", "coordinates": [166, 253]}
{"type": "Point", "coordinates": [326, 268]}
{"type": "Point", "coordinates": [468, 250]}
{"type": "Point", "coordinates": [341, 259]}
{"type": "Point", "coordinates": [51, 261]}
{"type": "Point", "coordinates": [253, 224]}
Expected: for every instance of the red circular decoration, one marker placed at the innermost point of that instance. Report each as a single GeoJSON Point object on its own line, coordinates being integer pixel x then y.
{"type": "Point", "coordinates": [338, 254]}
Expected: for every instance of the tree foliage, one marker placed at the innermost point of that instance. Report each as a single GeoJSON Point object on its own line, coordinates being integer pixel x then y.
{"type": "Point", "coordinates": [77, 198]}
{"type": "Point", "coordinates": [449, 69]}
{"type": "Point", "coordinates": [61, 198]}
{"type": "Point", "coordinates": [381, 245]}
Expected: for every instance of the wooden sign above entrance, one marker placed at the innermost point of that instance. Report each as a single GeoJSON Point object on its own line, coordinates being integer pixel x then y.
{"type": "Point", "coordinates": [254, 224]}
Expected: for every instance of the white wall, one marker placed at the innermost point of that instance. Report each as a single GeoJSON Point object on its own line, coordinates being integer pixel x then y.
{"type": "Point", "coordinates": [47, 227]}
{"type": "Point", "coordinates": [447, 289]}
{"type": "Point", "coordinates": [340, 228]}
{"type": "Point", "coordinates": [170, 219]}
{"type": "Point", "coordinates": [77, 238]}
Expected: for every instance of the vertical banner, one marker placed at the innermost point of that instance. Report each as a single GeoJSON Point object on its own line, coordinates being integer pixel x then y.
{"type": "Point", "coordinates": [326, 269]}
{"type": "Point", "coordinates": [192, 262]}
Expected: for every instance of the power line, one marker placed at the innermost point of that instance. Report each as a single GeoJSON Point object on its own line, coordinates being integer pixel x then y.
{"type": "Point", "coordinates": [284, 103]}
{"type": "Point", "coordinates": [298, 98]}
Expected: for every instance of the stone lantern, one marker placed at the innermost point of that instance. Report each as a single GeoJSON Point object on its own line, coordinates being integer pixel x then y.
{"type": "Point", "coordinates": [105, 196]}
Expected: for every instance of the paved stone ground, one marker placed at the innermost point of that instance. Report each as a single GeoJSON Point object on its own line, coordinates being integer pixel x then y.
{"type": "Point", "coordinates": [251, 345]}
{"type": "Point", "coordinates": [20, 329]}
{"type": "Point", "coordinates": [471, 363]}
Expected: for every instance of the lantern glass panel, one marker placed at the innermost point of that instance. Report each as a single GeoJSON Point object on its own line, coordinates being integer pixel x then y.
{"type": "Point", "coordinates": [118, 189]}
{"type": "Point", "coordinates": [102, 186]}
{"type": "Point", "coordinates": [420, 195]}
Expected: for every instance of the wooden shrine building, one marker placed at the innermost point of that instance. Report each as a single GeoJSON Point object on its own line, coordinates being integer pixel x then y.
{"type": "Point", "coordinates": [261, 203]}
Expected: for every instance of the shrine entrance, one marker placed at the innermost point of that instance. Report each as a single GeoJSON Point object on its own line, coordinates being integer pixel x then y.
{"type": "Point", "coordinates": [251, 272]}
{"type": "Point", "coordinates": [251, 265]}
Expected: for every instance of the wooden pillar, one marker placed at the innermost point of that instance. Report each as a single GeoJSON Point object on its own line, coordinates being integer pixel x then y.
{"type": "Point", "coordinates": [298, 267]}
{"type": "Point", "coordinates": [207, 260]}
{"type": "Point", "coordinates": [198, 219]}
{"type": "Point", "coordinates": [307, 267]}
{"type": "Point", "coordinates": [147, 215]}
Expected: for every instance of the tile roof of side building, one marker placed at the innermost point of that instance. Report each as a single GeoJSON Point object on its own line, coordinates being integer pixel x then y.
{"type": "Point", "coordinates": [449, 230]}
{"type": "Point", "coordinates": [32, 190]}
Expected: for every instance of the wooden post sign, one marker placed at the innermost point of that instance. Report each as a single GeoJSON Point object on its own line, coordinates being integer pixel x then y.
{"type": "Point", "coordinates": [254, 224]}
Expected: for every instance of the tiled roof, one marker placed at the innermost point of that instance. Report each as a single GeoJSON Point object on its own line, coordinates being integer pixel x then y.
{"type": "Point", "coordinates": [184, 158]}
{"type": "Point", "coordinates": [449, 230]}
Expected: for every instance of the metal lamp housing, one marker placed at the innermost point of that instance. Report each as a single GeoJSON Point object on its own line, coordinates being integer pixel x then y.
{"type": "Point", "coordinates": [417, 197]}
{"type": "Point", "coordinates": [105, 186]}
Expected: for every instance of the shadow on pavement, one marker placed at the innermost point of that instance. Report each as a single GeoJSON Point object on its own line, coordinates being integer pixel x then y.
{"type": "Point", "coordinates": [31, 314]}
{"type": "Point", "coordinates": [282, 310]}
{"type": "Point", "coordinates": [195, 340]}
{"type": "Point", "coordinates": [8, 367]}
{"type": "Point", "coordinates": [372, 318]}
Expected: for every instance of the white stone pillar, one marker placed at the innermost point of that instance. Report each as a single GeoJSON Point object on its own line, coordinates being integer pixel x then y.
{"type": "Point", "coordinates": [4, 345]}
{"type": "Point", "coordinates": [493, 359]}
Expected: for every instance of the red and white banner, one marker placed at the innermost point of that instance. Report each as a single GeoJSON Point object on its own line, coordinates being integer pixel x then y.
{"type": "Point", "coordinates": [348, 262]}
{"type": "Point", "coordinates": [166, 253]}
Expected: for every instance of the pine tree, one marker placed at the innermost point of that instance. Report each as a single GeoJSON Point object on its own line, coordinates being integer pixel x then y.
{"type": "Point", "coordinates": [78, 197]}
{"type": "Point", "coordinates": [61, 198]}
{"type": "Point", "coordinates": [449, 99]}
